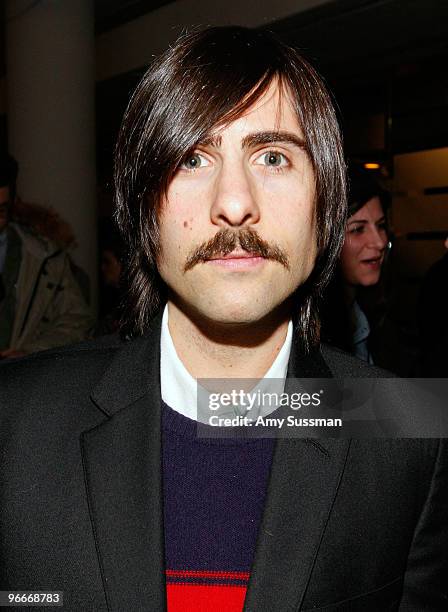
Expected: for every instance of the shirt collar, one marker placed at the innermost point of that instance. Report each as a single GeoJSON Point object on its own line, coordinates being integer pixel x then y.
{"type": "Point", "coordinates": [179, 388]}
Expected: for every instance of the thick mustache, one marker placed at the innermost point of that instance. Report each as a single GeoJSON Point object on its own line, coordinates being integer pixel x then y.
{"type": "Point", "coordinates": [226, 241]}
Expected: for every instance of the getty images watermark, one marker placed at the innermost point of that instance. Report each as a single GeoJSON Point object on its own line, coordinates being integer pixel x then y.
{"type": "Point", "coordinates": [261, 408]}
{"type": "Point", "coordinates": [323, 408]}
{"type": "Point", "coordinates": [254, 404]}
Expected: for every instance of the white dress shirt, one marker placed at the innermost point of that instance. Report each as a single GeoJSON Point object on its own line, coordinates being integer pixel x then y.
{"type": "Point", "coordinates": [179, 388]}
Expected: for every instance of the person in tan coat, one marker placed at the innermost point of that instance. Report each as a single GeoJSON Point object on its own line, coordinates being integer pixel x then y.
{"type": "Point", "coordinates": [41, 304]}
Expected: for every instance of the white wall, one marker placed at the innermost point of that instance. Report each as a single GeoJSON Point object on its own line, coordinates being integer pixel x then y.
{"type": "Point", "coordinates": [133, 44]}
{"type": "Point", "coordinates": [50, 70]}
{"type": "Point", "coordinates": [413, 211]}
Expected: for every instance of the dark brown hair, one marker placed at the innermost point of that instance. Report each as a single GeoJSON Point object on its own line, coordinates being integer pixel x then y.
{"type": "Point", "coordinates": [362, 187]}
{"type": "Point", "coordinates": [208, 79]}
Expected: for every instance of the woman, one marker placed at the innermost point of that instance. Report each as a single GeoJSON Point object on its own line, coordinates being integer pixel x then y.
{"type": "Point", "coordinates": [344, 322]}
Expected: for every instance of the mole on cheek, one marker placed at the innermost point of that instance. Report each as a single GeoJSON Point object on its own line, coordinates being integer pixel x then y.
{"type": "Point", "coordinates": [185, 223]}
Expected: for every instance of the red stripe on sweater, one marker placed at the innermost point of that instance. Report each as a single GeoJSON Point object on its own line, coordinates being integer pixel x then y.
{"type": "Point", "coordinates": [199, 598]}
{"type": "Point", "coordinates": [208, 574]}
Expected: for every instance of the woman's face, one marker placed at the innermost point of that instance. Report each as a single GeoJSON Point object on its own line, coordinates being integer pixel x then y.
{"type": "Point", "coordinates": [364, 246]}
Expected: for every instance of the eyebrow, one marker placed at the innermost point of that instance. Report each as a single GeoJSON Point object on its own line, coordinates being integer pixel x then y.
{"type": "Point", "coordinates": [383, 218]}
{"type": "Point", "coordinates": [259, 138]}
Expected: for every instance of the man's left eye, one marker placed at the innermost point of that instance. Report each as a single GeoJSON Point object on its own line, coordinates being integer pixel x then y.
{"type": "Point", "coordinates": [272, 159]}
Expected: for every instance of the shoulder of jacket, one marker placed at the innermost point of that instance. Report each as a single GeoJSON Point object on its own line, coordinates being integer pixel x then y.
{"type": "Point", "coordinates": [344, 365]}
{"type": "Point", "coordinates": [81, 362]}
{"type": "Point", "coordinates": [35, 244]}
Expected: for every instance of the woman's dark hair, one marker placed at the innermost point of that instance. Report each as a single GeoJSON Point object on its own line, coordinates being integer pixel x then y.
{"type": "Point", "coordinates": [206, 80]}
{"type": "Point", "coordinates": [337, 325]}
{"type": "Point", "coordinates": [362, 187]}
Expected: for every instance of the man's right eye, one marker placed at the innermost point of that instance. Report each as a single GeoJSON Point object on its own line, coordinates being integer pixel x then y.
{"type": "Point", "coordinates": [194, 161]}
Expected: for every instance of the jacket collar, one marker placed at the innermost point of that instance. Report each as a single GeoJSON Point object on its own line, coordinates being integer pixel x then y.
{"type": "Point", "coordinates": [36, 245]}
{"type": "Point", "coordinates": [122, 464]}
{"type": "Point", "coordinates": [133, 373]}
{"type": "Point", "coordinates": [303, 483]}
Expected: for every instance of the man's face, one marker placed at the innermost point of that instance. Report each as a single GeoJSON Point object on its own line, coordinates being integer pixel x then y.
{"type": "Point", "coordinates": [4, 207]}
{"type": "Point", "coordinates": [237, 228]}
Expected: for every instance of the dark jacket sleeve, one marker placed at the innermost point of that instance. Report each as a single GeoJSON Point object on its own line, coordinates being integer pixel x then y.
{"type": "Point", "coordinates": [426, 578]}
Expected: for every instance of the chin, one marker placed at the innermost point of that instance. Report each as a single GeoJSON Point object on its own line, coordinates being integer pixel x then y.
{"type": "Point", "coordinates": [369, 282]}
{"type": "Point", "coordinates": [235, 315]}
{"type": "Point", "coordinates": [234, 312]}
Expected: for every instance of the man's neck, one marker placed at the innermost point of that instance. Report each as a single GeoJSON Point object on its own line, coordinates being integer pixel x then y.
{"type": "Point", "coordinates": [218, 351]}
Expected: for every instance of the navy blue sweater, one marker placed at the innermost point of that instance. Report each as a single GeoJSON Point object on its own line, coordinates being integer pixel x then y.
{"type": "Point", "coordinates": [214, 491]}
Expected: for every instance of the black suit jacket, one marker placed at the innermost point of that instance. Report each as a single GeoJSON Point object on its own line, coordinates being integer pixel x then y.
{"type": "Point", "coordinates": [348, 525]}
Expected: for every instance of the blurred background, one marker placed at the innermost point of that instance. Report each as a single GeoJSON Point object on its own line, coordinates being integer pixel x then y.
{"type": "Point", "coordinates": [68, 68]}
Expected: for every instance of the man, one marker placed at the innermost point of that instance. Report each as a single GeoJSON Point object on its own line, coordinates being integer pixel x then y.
{"type": "Point", "coordinates": [230, 194]}
{"type": "Point", "coordinates": [41, 305]}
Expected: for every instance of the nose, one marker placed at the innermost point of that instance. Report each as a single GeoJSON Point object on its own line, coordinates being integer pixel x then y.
{"type": "Point", "coordinates": [234, 203]}
{"type": "Point", "coordinates": [377, 238]}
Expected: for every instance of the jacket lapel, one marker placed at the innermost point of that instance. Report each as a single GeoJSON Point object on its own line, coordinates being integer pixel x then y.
{"type": "Point", "coordinates": [303, 484]}
{"type": "Point", "coordinates": [122, 464]}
